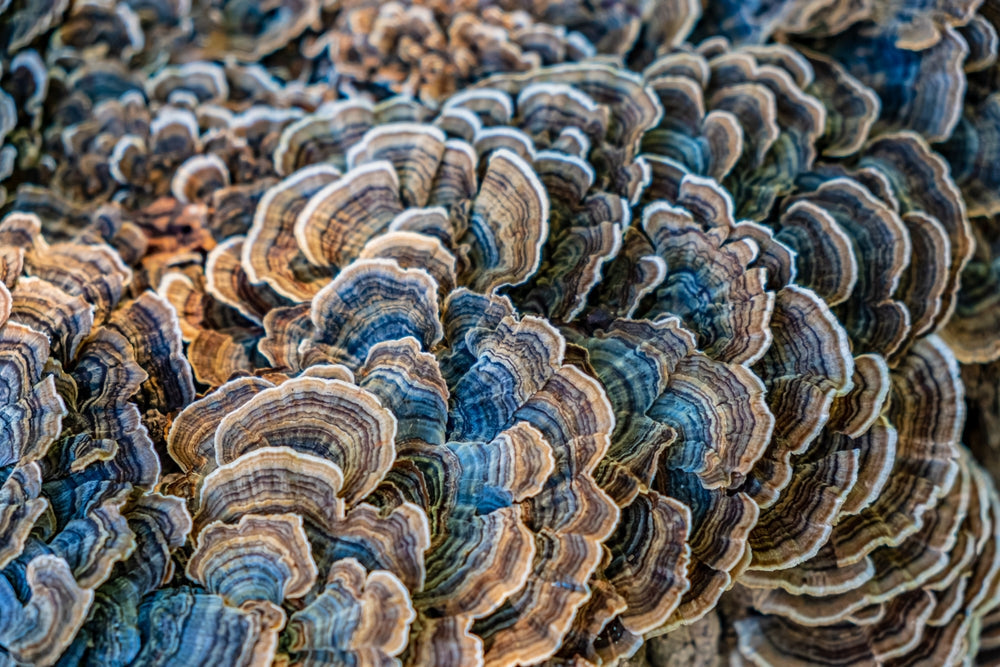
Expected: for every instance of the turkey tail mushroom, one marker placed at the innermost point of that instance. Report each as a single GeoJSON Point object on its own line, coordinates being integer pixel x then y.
{"type": "Point", "coordinates": [640, 332]}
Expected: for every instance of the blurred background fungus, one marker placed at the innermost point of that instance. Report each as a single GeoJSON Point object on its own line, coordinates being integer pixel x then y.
{"type": "Point", "coordinates": [462, 332]}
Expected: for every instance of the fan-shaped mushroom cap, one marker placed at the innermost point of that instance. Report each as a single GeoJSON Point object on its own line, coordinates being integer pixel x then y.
{"type": "Point", "coordinates": [825, 261]}
{"type": "Point", "coordinates": [180, 623]}
{"type": "Point", "coordinates": [227, 282]}
{"type": "Point", "coordinates": [21, 505]}
{"type": "Point", "coordinates": [33, 410]}
{"type": "Point", "coordinates": [371, 301]}
{"type": "Point", "coordinates": [328, 418]}
{"type": "Point", "coordinates": [970, 332]}
{"type": "Point", "coordinates": [415, 250]}
{"type": "Point", "coordinates": [652, 581]}
{"type": "Point", "coordinates": [272, 547]}
{"type": "Point", "coordinates": [925, 96]}
{"type": "Point", "coordinates": [518, 358]}
{"type": "Point", "coordinates": [634, 108]}
{"type": "Point", "coordinates": [326, 134]}
{"type": "Point", "coordinates": [881, 250]}
{"type": "Point", "coordinates": [46, 308]}
{"type": "Point", "coordinates": [794, 528]}
{"type": "Point", "coordinates": [395, 541]}
{"type": "Point", "coordinates": [851, 107]}
{"type": "Point", "coordinates": [106, 376]}
{"type": "Point", "coordinates": [40, 629]}
{"type": "Point", "coordinates": [274, 480]}
{"type": "Point", "coordinates": [799, 382]}
{"type": "Point", "coordinates": [920, 182]}
{"type": "Point", "coordinates": [191, 441]}
{"type": "Point", "coordinates": [414, 150]}
{"type": "Point", "coordinates": [150, 324]}
{"type": "Point", "coordinates": [509, 222]}
{"type": "Point", "coordinates": [421, 408]}
{"type": "Point", "coordinates": [926, 451]}
{"type": "Point", "coordinates": [198, 177]}
{"type": "Point", "coordinates": [357, 616]}
{"type": "Point", "coordinates": [270, 253]}
{"type": "Point", "coordinates": [92, 271]}
{"type": "Point", "coordinates": [339, 218]}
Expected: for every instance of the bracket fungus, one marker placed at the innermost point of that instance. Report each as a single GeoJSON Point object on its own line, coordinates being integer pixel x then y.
{"type": "Point", "coordinates": [641, 332]}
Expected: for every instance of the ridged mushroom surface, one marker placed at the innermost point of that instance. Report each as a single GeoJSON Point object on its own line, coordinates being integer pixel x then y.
{"type": "Point", "coordinates": [641, 332]}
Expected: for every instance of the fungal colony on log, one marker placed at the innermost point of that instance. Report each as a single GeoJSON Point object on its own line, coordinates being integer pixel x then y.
{"type": "Point", "coordinates": [458, 332]}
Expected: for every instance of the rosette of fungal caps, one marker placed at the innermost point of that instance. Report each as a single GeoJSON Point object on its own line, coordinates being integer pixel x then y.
{"type": "Point", "coordinates": [465, 332]}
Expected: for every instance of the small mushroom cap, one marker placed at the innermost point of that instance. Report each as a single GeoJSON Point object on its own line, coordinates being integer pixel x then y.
{"type": "Point", "coordinates": [198, 177]}
{"type": "Point", "coordinates": [921, 182]}
{"type": "Point", "coordinates": [273, 480]}
{"type": "Point", "coordinates": [804, 385]}
{"type": "Point", "coordinates": [970, 331]}
{"type": "Point", "coordinates": [825, 261]}
{"type": "Point", "coordinates": [40, 630]}
{"type": "Point", "coordinates": [374, 300]}
{"type": "Point", "coordinates": [882, 250]}
{"type": "Point", "coordinates": [227, 282]}
{"type": "Point", "coordinates": [415, 250]}
{"type": "Point", "coordinates": [273, 547]}
{"type": "Point", "coordinates": [421, 409]}
{"type": "Point", "coordinates": [151, 326]}
{"type": "Point", "coordinates": [395, 541]}
{"type": "Point", "coordinates": [508, 224]}
{"type": "Point", "coordinates": [181, 623]}
{"type": "Point", "coordinates": [191, 441]}
{"type": "Point", "coordinates": [926, 453]}
{"type": "Point", "coordinates": [339, 218]}
{"type": "Point", "coordinates": [363, 615]}
{"type": "Point", "coordinates": [651, 582]}
{"type": "Point", "coordinates": [21, 505]}
{"type": "Point", "coordinates": [270, 251]}
{"type": "Point", "coordinates": [328, 418]}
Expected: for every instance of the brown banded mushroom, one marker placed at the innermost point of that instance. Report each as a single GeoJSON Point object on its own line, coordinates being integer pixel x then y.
{"type": "Point", "coordinates": [429, 507]}
{"type": "Point", "coordinates": [506, 333]}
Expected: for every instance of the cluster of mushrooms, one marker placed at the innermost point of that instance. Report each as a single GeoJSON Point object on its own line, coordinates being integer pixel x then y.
{"type": "Point", "coordinates": [515, 332]}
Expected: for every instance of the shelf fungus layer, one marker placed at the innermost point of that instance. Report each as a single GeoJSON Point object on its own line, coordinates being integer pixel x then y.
{"type": "Point", "coordinates": [639, 332]}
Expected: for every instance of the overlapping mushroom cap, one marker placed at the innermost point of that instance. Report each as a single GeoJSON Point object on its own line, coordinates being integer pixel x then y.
{"type": "Point", "coordinates": [331, 242]}
{"type": "Point", "coordinates": [431, 50]}
{"type": "Point", "coordinates": [500, 188]}
{"type": "Point", "coordinates": [909, 563]}
{"type": "Point", "coordinates": [429, 459]}
{"type": "Point", "coordinates": [722, 489]}
{"type": "Point", "coordinates": [77, 456]}
{"type": "Point", "coordinates": [683, 456]}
